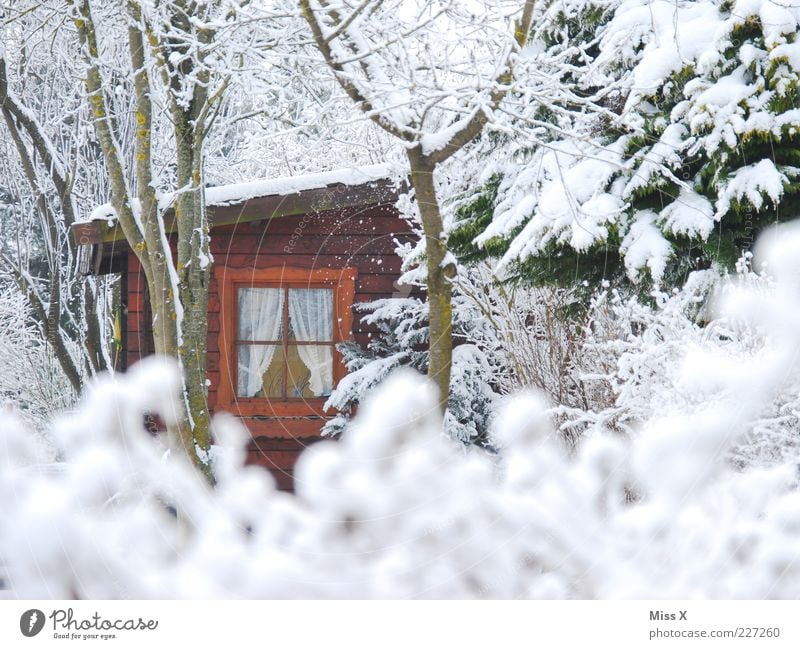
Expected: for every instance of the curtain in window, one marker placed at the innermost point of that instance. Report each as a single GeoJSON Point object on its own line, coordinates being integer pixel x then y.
{"type": "Point", "coordinates": [311, 318]}
{"type": "Point", "coordinates": [260, 318]}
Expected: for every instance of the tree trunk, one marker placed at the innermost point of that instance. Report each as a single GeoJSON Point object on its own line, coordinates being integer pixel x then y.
{"type": "Point", "coordinates": [193, 277]}
{"type": "Point", "coordinates": [49, 316]}
{"type": "Point", "coordinates": [179, 326]}
{"type": "Point", "coordinates": [441, 270]}
{"type": "Point", "coordinates": [177, 285]}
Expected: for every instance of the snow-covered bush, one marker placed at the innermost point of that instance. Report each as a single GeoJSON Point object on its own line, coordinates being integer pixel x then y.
{"type": "Point", "coordinates": [31, 379]}
{"type": "Point", "coordinates": [634, 351]}
{"type": "Point", "coordinates": [630, 351]}
{"type": "Point", "coordinates": [536, 338]}
{"type": "Point", "coordinates": [616, 362]}
{"type": "Point", "coordinates": [397, 509]}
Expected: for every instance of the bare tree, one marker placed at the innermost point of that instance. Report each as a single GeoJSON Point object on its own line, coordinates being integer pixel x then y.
{"type": "Point", "coordinates": [176, 95]}
{"type": "Point", "coordinates": [430, 74]}
{"type": "Point", "coordinates": [45, 184]}
{"type": "Point", "coordinates": [158, 112]}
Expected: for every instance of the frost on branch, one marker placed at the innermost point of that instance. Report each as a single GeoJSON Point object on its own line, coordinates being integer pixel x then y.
{"type": "Point", "coordinates": [397, 509]}
{"type": "Point", "coordinates": [31, 380]}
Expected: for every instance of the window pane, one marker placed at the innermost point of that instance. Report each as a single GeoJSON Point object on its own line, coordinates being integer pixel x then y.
{"type": "Point", "coordinates": [260, 371]}
{"type": "Point", "coordinates": [310, 371]}
{"type": "Point", "coordinates": [260, 314]}
{"type": "Point", "coordinates": [311, 314]}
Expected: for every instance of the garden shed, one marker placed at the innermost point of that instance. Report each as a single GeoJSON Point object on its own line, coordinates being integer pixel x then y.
{"type": "Point", "coordinates": [292, 257]}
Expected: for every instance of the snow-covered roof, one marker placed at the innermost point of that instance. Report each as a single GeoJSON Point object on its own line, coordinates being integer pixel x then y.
{"type": "Point", "coordinates": [240, 192]}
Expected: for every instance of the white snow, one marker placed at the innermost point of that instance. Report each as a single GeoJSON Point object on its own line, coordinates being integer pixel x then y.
{"type": "Point", "coordinates": [672, 35]}
{"type": "Point", "coordinates": [690, 214]}
{"type": "Point", "coordinates": [788, 51]}
{"type": "Point", "coordinates": [665, 152]}
{"type": "Point", "coordinates": [238, 193]}
{"type": "Point", "coordinates": [241, 192]}
{"type": "Point", "coordinates": [438, 141]}
{"type": "Point", "coordinates": [645, 247]}
{"type": "Point", "coordinates": [753, 183]}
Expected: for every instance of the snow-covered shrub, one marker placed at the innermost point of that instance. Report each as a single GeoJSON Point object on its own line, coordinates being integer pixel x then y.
{"type": "Point", "coordinates": [609, 365]}
{"type": "Point", "coordinates": [536, 338]}
{"type": "Point", "coordinates": [395, 508]}
{"type": "Point", "coordinates": [637, 349]}
{"type": "Point", "coordinates": [630, 350]}
{"type": "Point", "coordinates": [31, 379]}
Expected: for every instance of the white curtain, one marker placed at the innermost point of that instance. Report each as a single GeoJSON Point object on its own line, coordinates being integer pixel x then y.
{"type": "Point", "coordinates": [311, 318]}
{"type": "Point", "coordinates": [260, 318]}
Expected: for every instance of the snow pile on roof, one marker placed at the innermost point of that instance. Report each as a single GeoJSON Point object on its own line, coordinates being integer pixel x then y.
{"type": "Point", "coordinates": [240, 192]}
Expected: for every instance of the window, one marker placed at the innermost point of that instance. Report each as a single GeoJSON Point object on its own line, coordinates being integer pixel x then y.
{"type": "Point", "coordinates": [279, 329]}
{"type": "Point", "coordinates": [284, 342]}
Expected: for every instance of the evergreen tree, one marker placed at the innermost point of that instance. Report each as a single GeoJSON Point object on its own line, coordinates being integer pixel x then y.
{"type": "Point", "coordinates": [702, 157]}
{"type": "Point", "coordinates": [401, 341]}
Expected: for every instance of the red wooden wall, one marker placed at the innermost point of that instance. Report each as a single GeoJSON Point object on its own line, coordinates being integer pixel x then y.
{"type": "Point", "coordinates": [363, 237]}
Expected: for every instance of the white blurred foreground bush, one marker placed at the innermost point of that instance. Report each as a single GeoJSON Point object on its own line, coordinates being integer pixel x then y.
{"type": "Point", "coordinates": [395, 509]}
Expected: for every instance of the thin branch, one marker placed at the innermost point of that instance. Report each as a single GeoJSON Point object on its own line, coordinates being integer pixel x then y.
{"type": "Point", "coordinates": [472, 127]}
{"type": "Point", "coordinates": [347, 85]}
{"type": "Point", "coordinates": [120, 193]}
{"type": "Point", "coordinates": [349, 20]}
